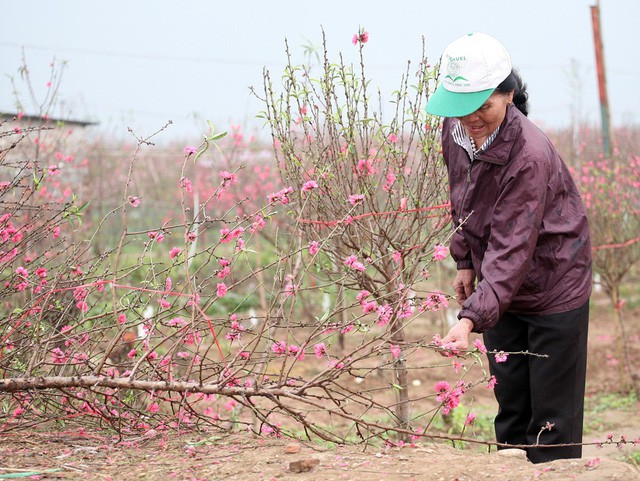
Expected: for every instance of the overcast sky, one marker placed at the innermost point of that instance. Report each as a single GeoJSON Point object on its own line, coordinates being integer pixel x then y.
{"type": "Point", "coordinates": [139, 63]}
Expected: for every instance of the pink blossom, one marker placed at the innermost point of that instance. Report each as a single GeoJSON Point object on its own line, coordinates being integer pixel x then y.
{"type": "Point", "coordinates": [185, 183]}
{"type": "Point", "coordinates": [53, 170]}
{"type": "Point", "coordinates": [164, 304]}
{"type": "Point", "coordinates": [362, 295]}
{"type": "Point", "coordinates": [403, 203]}
{"type": "Point", "coordinates": [347, 328]}
{"type": "Point", "coordinates": [479, 345]}
{"type": "Point", "coordinates": [221, 289]}
{"type": "Point", "coordinates": [182, 354]}
{"type": "Point", "coordinates": [59, 356]}
{"type": "Point", "coordinates": [313, 248]}
{"type": "Point", "coordinates": [190, 149]}
{"type": "Point", "coordinates": [131, 354]}
{"type": "Point", "coordinates": [279, 348]}
{"type": "Point", "coordinates": [320, 349]}
{"type": "Point", "coordinates": [442, 387]}
{"type": "Point", "coordinates": [153, 408]}
{"type": "Point", "coordinates": [224, 272]}
{"type": "Point", "coordinates": [501, 356]}
{"type": "Point", "coordinates": [361, 37]}
{"type": "Point", "coordinates": [471, 417]}
{"type": "Point", "coordinates": [492, 382]}
{"type": "Point", "coordinates": [309, 185]}
{"type": "Point", "coordinates": [369, 307]}
{"type": "Point", "coordinates": [177, 322]}
{"type": "Point", "coordinates": [296, 351]}
{"type": "Point", "coordinates": [393, 138]}
{"type": "Point", "coordinates": [134, 201]}
{"type": "Point", "coordinates": [395, 350]}
{"type": "Point", "coordinates": [390, 180]}
{"type": "Point", "coordinates": [358, 266]}
{"type": "Point", "coordinates": [21, 271]}
{"type": "Point", "coordinates": [280, 196]}
{"type": "Point", "coordinates": [384, 313]}
{"type": "Point", "coordinates": [173, 253]}
{"type": "Point", "coordinates": [236, 330]}
{"type": "Point", "coordinates": [365, 167]}
{"type": "Point", "coordinates": [396, 256]}
{"type": "Point", "coordinates": [227, 235]}
{"type": "Point", "coordinates": [257, 225]}
{"type": "Point", "coordinates": [440, 252]}
{"type": "Point", "coordinates": [191, 236]}
{"type": "Point", "coordinates": [289, 289]}
{"type": "Point", "coordinates": [122, 318]}
{"type": "Point", "coordinates": [356, 198]}
{"type": "Point", "coordinates": [435, 301]}
{"type": "Point", "coordinates": [228, 177]}
{"type": "Point", "coordinates": [350, 260]}
{"type": "Point", "coordinates": [168, 284]}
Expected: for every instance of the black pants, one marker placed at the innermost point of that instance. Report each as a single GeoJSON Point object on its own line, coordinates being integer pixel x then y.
{"type": "Point", "coordinates": [533, 391]}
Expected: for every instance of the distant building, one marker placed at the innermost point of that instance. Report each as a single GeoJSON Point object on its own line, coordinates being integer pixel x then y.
{"type": "Point", "coordinates": [10, 120]}
{"type": "Point", "coordinates": [53, 129]}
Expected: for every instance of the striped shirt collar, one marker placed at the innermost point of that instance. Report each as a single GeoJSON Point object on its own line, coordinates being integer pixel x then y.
{"type": "Point", "coordinates": [463, 140]}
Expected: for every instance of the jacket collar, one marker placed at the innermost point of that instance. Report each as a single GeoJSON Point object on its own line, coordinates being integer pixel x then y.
{"type": "Point", "coordinates": [499, 152]}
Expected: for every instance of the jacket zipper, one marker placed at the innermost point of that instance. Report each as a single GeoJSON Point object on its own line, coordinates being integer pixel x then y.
{"type": "Point", "coordinates": [466, 187]}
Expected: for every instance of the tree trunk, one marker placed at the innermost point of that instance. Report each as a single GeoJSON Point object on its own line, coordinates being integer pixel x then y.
{"type": "Point", "coordinates": [401, 377]}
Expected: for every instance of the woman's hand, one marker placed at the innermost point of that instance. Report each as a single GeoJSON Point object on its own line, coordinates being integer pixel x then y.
{"type": "Point", "coordinates": [464, 285]}
{"type": "Point", "coordinates": [458, 337]}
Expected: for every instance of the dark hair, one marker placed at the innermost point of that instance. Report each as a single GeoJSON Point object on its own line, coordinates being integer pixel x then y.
{"type": "Point", "coordinates": [520, 96]}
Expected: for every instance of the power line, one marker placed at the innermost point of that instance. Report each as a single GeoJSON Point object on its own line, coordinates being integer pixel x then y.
{"type": "Point", "coordinates": [112, 53]}
{"type": "Point", "coordinates": [170, 58]}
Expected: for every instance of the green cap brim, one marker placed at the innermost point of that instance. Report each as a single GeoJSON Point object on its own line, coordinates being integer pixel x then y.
{"type": "Point", "coordinates": [456, 104]}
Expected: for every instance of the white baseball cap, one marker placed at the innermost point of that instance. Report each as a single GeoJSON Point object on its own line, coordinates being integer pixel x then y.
{"type": "Point", "coordinates": [471, 68]}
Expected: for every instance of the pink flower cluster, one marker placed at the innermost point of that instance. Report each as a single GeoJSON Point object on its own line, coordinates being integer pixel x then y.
{"type": "Point", "coordinates": [353, 263]}
{"type": "Point", "coordinates": [440, 252]}
{"type": "Point", "coordinates": [435, 301]}
{"type": "Point", "coordinates": [236, 329]}
{"type": "Point", "coordinates": [356, 199]}
{"type": "Point", "coordinates": [449, 397]}
{"type": "Point", "coordinates": [280, 196]}
{"type": "Point", "coordinates": [309, 186]}
{"type": "Point", "coordinates": [383, 312]}
{"type": "Point", "coordinates": [280, 348]}
{"type": "Point", "coordinates": [447, 348]}
{"type": "Point", "coordinates": [227, 235]}
{"type": "Point", "coordinates": [361, 37]}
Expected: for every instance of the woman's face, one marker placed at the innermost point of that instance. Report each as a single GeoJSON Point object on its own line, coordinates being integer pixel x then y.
{"type": "Point", "coordinates": [481, 123]}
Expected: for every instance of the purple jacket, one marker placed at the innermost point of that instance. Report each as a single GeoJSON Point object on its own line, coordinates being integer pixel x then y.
{"type": "Point", "coordinates": [526, 236]}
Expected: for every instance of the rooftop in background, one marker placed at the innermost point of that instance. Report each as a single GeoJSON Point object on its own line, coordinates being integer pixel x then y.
{"type": "Point", "coordinates": [37, 119]}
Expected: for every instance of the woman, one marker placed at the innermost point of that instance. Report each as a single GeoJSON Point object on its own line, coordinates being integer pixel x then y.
{"type": "Point", "coordinates": [521, 245]}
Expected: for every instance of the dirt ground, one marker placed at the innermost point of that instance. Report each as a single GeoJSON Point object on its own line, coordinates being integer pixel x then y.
{"type": "Point", "coordinates": [239, 457]}
{"type": "Point", "coordinates": [74, 454]}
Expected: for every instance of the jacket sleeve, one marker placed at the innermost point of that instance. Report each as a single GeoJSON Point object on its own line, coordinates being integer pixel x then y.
{"type": "Point", "coordinates": [516, 221]}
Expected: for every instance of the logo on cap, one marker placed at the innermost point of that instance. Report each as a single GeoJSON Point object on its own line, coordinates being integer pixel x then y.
{"type": "Point", "coordinates": [454, 69]}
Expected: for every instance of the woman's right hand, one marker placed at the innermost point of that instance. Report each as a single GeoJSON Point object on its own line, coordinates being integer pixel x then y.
{"type": "Point", "coordinates": [464, 285]}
